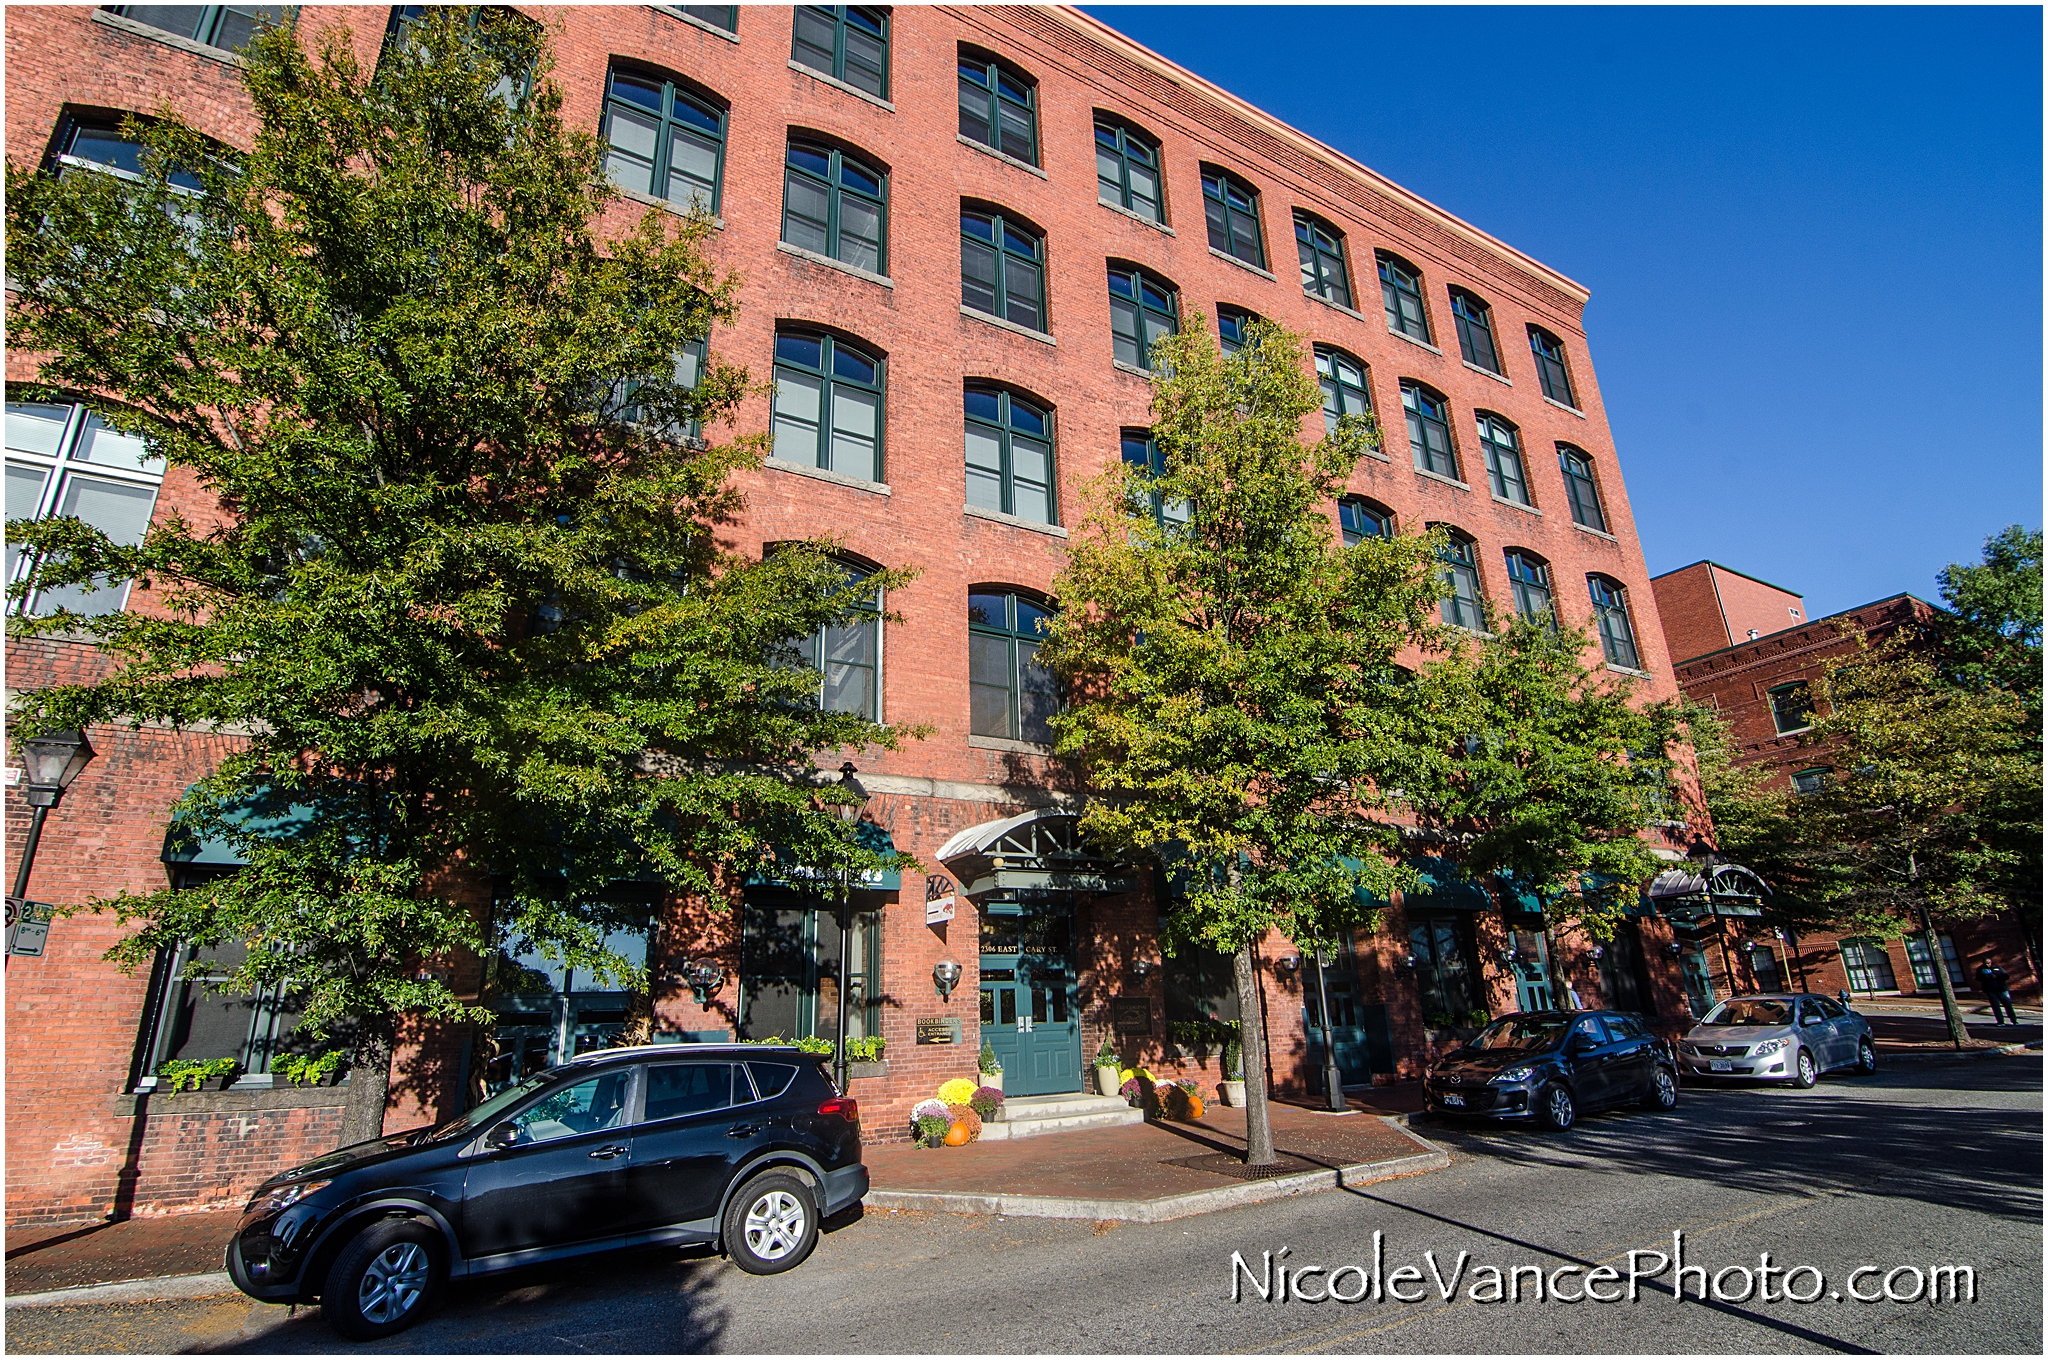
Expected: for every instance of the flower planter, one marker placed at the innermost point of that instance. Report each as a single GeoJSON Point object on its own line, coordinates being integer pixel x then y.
{"type": "Point", "coordinates": [994, 1079]}
{"type": "Point", "coordinates": [1233, 1094]}
{"type": "Point", "coordinates": [1108, 1081]}
{"type": "Point", "coordinates": [867, 1069]}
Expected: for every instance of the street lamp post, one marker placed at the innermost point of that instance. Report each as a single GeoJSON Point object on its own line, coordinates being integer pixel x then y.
{"type": "Point", "coordinates": [51, 762]}
{"type": "Point", "coordinates": [1333, 1080]}
{"type": "Point", "coordinates": [849, 813]}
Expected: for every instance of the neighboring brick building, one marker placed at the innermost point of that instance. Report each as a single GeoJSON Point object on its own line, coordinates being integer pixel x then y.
{"type": "Point", "coordinates": [972, 283]}
{"type": "Point", "coordinates": [1757, 685]}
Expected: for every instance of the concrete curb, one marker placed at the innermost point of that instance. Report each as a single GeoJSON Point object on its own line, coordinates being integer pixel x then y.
{"type": "Point", "coordinates": [1170, 1207]}
{"type": "Point", "coordinates": [130, 1291]}
{"type": "Point", "coordinates": [1950, 1055]}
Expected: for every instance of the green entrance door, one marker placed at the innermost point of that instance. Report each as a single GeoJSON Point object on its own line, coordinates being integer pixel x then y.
{"type": "Point", "coordinates": [1533, 990]}
{"type": "Point", "coordinates": [1028, 1015]}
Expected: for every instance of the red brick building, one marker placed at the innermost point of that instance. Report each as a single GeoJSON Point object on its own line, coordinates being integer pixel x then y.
{"type": "Point", "coordinates": [955, 224]}
{"type": "Point", "coordinates": [1755, 678]}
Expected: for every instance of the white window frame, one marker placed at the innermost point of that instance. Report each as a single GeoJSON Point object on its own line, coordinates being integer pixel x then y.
{"type": "Point", "coordinates": [58, 470]}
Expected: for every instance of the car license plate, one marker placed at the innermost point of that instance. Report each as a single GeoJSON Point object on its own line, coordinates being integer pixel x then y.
{"type": "Point", "coordinates": [1454, 1100]}
{"type": "Point", "coordinates": [1720, 1065]}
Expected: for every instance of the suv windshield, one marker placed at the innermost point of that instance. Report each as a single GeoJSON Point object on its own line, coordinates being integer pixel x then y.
{"type": "Point", "coordinates": [1749, 1011]}
{"type": "Point", "coordinates": [1529, 1033]}
{"type": "Point", "coordinates": [485, 1114]}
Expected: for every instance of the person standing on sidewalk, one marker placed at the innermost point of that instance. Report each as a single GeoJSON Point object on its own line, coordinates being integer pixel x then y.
{"type": "Point", "coordinates": [1996, 985]}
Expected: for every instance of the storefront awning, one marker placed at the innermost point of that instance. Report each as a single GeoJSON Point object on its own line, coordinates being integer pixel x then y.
{"type": "Point", "coordinates": [1444, 887]}
{"type": "Point", "coordinates": [1039, 850]}
{"type": "Point", "coordinates": [789, 873]}
{"type": "Point", "coordinates": [270, 813]}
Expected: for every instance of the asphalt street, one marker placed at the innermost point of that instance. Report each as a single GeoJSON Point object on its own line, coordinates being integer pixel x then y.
{"type": "Point", "coordinates": [1929, 1164]}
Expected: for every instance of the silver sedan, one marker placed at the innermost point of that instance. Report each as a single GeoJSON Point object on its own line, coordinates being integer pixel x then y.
{"type": "Point", "coordinates": [1780, 1037]}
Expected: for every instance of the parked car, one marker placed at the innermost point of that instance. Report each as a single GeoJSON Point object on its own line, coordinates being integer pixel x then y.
{"type": "Point", "coordinates": [1548, 1066]}
{"type": "Point", "coordinates": [742, 1146]}
{"type": "Point", "coordinates": [1778, 1037]}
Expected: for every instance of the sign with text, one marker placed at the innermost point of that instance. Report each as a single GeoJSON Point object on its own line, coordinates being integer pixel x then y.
{"type": "Point", "coordinates": [938, 899]}
{"type": "Point", "coordinates": [938, 1029]}
{"type": "Point", "coordinates": [1131, 1015]}
{"type": "Point", "coordinates": [28, 927]}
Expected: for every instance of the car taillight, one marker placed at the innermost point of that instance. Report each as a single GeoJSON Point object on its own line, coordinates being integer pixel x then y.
{"type": "Point", "coordinates": [846, 1107]}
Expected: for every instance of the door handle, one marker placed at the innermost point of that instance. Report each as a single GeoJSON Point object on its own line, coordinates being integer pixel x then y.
{"type": "Point", "coordinates": [608, 1151]}
{"type": "Point", "coordinates": [743, 1130]}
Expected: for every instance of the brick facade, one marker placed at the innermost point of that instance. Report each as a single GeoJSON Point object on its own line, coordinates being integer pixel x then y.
{"type": "Point", "coordinates": [1707, 606]}
{"type": "Point", "coordinates": [73, 1040]}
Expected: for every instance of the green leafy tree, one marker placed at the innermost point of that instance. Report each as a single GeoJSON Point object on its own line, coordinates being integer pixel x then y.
{"type": "Point", "coordinates": [464, 596]}
{"type": "Point", "coordinates": [1232, 689]}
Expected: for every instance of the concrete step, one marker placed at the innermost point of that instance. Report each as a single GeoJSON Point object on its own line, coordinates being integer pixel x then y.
{"type": "Point", "coordinates": [1017, 1109]}
{"type": "Point", "coordinates": [1032, 1116]}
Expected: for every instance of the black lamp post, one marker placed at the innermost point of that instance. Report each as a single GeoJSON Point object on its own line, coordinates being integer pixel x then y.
{"type": "Point", "coordinates": [51, 762]}
{"type": "Point", "coordinates": [849, 813]}
{"type": "Point", "coordinates": [1333, 1080]}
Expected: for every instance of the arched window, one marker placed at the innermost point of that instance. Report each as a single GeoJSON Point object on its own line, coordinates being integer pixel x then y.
{"type": "Point", "coordinates": [1346, 391]}
{"type": "Point", "coordinates": [1791, 708]}
{"type": "Point", "coordinates": [98, 144]}
{"type": "Point", "coordinates": [847, 656]}
{"type": "Point", "coordinates": [1475, 330]}
{"type": "Point", "coordinates": [1009, 454]}
{"type": "Point", "coordinates": [1142, 451]}
{"type": "Point", "coordinates": [1232, 209]}
{"type": "Point", "coordinates": [1321, 247]}
{"type": "Point", "coordinates": [836, 205]}
{"type": "Point", "coordinates": [1580, 489]}
{"type": "Point", "coordinates": [846, 42]}
{"type": "Point", "coordinates": [1002, 268]}
{"type": "Point", "coordinates": [688, 372]}
{"type": "Point", "coordinates": [1529, 578]}
{"type": "Point", "coordinates": [1550, 369]}
{"type": "Point", "coordinates": [1429, 430]}
{"type": "Point", "coordinates": [828, 404]}
{"type": "Point", "coordinates": [1233, 327]}
{"type": "Point", "coordinates": [1503, 452]}
{"type": "Point", "coordinates": [1610, 616]}
{"type": "Point", "coordinates": [1011, 695]}
{"type": "Point", "coordinates": [65, 461]}
{"type": "Point", "coordinates": [1142, 308]}
{"type": "Point", "coordinates": [1401, 290]}
{"type": "Point", "coordinates": [1462, 607]}
{"type": "Point", "coordinates": [1359, 519]}
{"type": "Point", "coordinates": [663, 141]}
{"type": "Point", "coordinates": [998, 106]}
{"type": "Point", "coordinates": [1127, 169]}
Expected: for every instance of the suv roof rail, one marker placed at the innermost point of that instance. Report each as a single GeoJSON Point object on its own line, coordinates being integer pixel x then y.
{"type": "Point", "coordinates": [779, 1050]}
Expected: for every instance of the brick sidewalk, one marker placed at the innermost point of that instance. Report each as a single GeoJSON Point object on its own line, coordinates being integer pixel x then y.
{"type": "Point", "coordinates": [1902, 1034]}
{"type": "Point", "coordinates": [40, 1258]}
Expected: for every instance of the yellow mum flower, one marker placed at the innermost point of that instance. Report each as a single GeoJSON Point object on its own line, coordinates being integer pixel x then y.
{"type": "Point", "coordinates": [958, 1091]}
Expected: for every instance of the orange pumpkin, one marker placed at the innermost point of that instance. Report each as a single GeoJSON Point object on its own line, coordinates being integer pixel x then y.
{"type": "Point", "coordinates": [1194, 1107]}
{"type": "Point", "coordinates": [957, 1135]}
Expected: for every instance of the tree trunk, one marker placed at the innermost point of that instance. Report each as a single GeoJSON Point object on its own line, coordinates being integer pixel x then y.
{"type": "Point", "coordinates": [1949, 1009]}
{"type": "Point", "coordinates": [369, 1088]}
{"type": "Point", "coordinates": [1258, 1122]}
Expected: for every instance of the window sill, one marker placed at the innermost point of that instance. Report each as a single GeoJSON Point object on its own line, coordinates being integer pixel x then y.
{"type": "Point", "coordinates": [1245, 265]}
{"type": "Point", "coordinates": [1501, 378]}
{"type": "Point", "coordinates": [1147, 374]}
{"type": "Point", "coordinates": [827, 475]}
{"type": "Point", "coordinates": [1010, 326]}
{"type": "Point", "coordinates": [1028, 748]}
{"type": "Point", "coordinates": [1630, 670]}
{"type": "Point", "coordinates": [1419, 344]}
{"type": "Point", "coordinates": [672, 12]}
{"type": "Point", "coordinates": [1015, 521]}
{"type": "Point", "coordinates": [717, 222]}
{"type": "Point", "coordinates": [1528, 509]}
{"type": "Point", "coordinates": [1553, 401]}
{"type": "Point", "coordinates": [1447, 481]}
{"type": "Point", "coordinates": [839, 84]}
{"type": "Point", "coordinates": [1005, 157]}
{"type": "Point", "coordinates": [842, 266]}
{"type": "Point", "coordinates": [1597, 533]}
{"type": "Point", "coordinates": [1122, 211]}
{"type": "Point", "coordinates": [141, 30]}
{"type": "Point", "coordinates": [246, 1100]}
{"type": "Point", "coordinates": [1333, 306]}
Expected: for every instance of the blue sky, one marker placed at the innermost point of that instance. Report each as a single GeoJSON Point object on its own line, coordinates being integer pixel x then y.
{"type": "Point", "coordinates": [1812, 236]}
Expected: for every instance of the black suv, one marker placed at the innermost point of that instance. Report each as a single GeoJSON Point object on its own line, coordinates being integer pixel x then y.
{"type": "Point", "coordinates": [1549, 1065]}
{"type": "Point", "coordinates": [743, 1146]}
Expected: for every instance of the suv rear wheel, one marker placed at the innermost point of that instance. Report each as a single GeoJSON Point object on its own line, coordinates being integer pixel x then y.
{"type": "Point", "coordinates": [384, 1280]}
{"type": "Point", "coordinates": [771, 1224]}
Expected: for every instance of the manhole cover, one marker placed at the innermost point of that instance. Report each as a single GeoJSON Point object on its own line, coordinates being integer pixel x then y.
{"type": "Point", "coordinates": [1229, 1164]}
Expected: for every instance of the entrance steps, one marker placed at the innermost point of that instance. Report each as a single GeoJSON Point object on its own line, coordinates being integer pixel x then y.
{"type": "Point", "coordinates": [1029, 1116]}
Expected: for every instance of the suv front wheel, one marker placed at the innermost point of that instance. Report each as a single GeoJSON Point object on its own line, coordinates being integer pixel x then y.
{"type": "Point", "coordinates": [384, 1280]}
{"type": "Point", "coordinates": [771, 1224]}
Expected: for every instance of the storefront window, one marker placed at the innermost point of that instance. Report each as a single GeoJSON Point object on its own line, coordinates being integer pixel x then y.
{"type": "Point", "coordinates": [789, 968]}
{"type": "Point", "coordinates": [1444, 972]}
{"type": "Point", "coordinates": [548, 1013]}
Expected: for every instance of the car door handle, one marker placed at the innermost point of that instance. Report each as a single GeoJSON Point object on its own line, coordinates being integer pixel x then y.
{"type": "Point", "coordinates": [609, 1151]}
{"type": "Point", "coordinates": [743, 1130]}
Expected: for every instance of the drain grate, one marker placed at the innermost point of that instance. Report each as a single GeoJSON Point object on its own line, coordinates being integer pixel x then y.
{"type": "Point", "coordinates": [1229, 1164]}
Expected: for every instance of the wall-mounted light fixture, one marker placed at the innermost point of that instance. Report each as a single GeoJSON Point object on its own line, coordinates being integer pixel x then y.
{"type": "Point", "coordinates": [1142, 968]}
{"type": "Point", "coordinates": [1410, 962]}
{"type": "Point", "coordinates": [703, 977]}
{"type": "Point", "coordinates": [1599, 951]}
{"type": "Point", "coordinates": [1289, 963]}
{"type": "Point", "coordinates": [946, 976]}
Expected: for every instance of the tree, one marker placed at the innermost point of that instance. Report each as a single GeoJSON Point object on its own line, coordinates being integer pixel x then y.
{"type": "Point", "coordinates": [1232, 689]}
{"type": "Point", "coordinates": [464, 593]}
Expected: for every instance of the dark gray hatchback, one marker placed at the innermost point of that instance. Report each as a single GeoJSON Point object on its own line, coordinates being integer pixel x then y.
{"type": "Point", "coordinates": [741, 1146]}
{"type": "Point", "coordinates": [1548, 1066]}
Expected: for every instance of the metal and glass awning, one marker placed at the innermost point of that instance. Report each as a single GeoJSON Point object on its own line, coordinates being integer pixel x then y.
{"type": "Point", "coordinates": [1733, 890]}
{"type": "Point", "coordinates": [1040, 850]}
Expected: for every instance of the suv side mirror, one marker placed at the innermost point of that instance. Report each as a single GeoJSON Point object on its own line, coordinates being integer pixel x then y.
{"type": "Point", "coordinates": [502, 1135]}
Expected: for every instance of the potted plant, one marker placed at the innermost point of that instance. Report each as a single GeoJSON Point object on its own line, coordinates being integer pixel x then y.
{"type": "Point", "coordinates": [1108, 1070]}
{"type": "Point", "coordinates": [864, 1057]}
{"type": "Point", "coordinates": [991, 1066]}
{"type": "Point", "coordinates": [186, 1074]}
{"type": "Point", "coordinates": [1233, 1072]}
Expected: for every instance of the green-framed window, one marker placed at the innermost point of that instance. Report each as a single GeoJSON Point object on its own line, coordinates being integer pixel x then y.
{"type": "Point", "coordinates": [1550, 368]}
{"type": "Point", "coordinates": [847, 657]}
{"type": "Point", "coordinates": [1127, 169]}
{"type": "Point", "coordinates": [1232, 209]}
{"type": "Point", "coordinates": [998, 106]}
{"type": "Point", "coordinates": [847, 42]}
{"type": "Point", "coordinates": [725, 18]}
{"type": "Point", "coordinates": [1610, 616]}
{"type": "Point", "coordinates": [1868, 965]}
{"type": "Point", "coordinates": [1475, 330]}
{"type": "Point", "coordinates": [1346, 384]}
{"type": "Point", "coordinates": [1321, 247]}
{"type": "Point", "coordinates": [663, 141]}
{"type": "Point", "coordinates": [1811, 780]}
{"type": "Point", "coordinates": [1529, 580]}
{"type": "Point", "coordinates": [1401, 291]}
{"type": "Point", "coordinates": [1462, 607]}
{"type": "Point", "coordinates": [1142, 308]}
{"type": "Point", "coordinates": [1503, 450]}
{"type": "Point", "coordinates": [1142, 451]}
{"type": "Point", "coordinates": [65, 461]}
{"type": "Point", "coordinates": [1580, 490]}
{"type": "Point", "coordinates": [689, 371]}
{"type": "Point", "coordinates": [1922, 963]}
{"type": "Point", "coordinates": [828, 404]}
{"type": "Point", "coordinates": [1429, 430]}
{"type": "Point", "coordinates": [228, 27]}
{"type": "Point", "coordinates": [1002, 268]}
{"type": "Point", "coordinates": [1011, 695]}
{"type": "Point", "coordinates": [789, 961]}
{"type": "Point", "coordinates": [1359, 519]}
{"type": "Point", "coordinates": [836, 205]}
{"type": "Point", "coordinates": [513, 90]}
{"type": "Point", "coordinates": [1009, 454]}
{"type": "Point", "coordinates": [1791, 708]}
{"type": "Point", "coordinates": [1233, 328]}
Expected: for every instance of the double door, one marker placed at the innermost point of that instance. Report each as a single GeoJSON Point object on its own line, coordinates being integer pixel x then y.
{"type": "Point", "coordinates": [1028, 1011]}
{"type": "Point", "coordinates": [1534, 990]}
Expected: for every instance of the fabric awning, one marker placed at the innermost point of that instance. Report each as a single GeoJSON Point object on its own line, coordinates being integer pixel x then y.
{"type": "Point", "coordinates": [869, 835]}
{"type": "Point", "coordinates": [1444, 887]}
{"type": "Point", "coordinates": [267, 813]}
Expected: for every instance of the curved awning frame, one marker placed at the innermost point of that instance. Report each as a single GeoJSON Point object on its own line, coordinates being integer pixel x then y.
{"type": "Point", "coordinates": [1041, 850]}
{"type": "Point", "coordinates": [1734, 890]}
